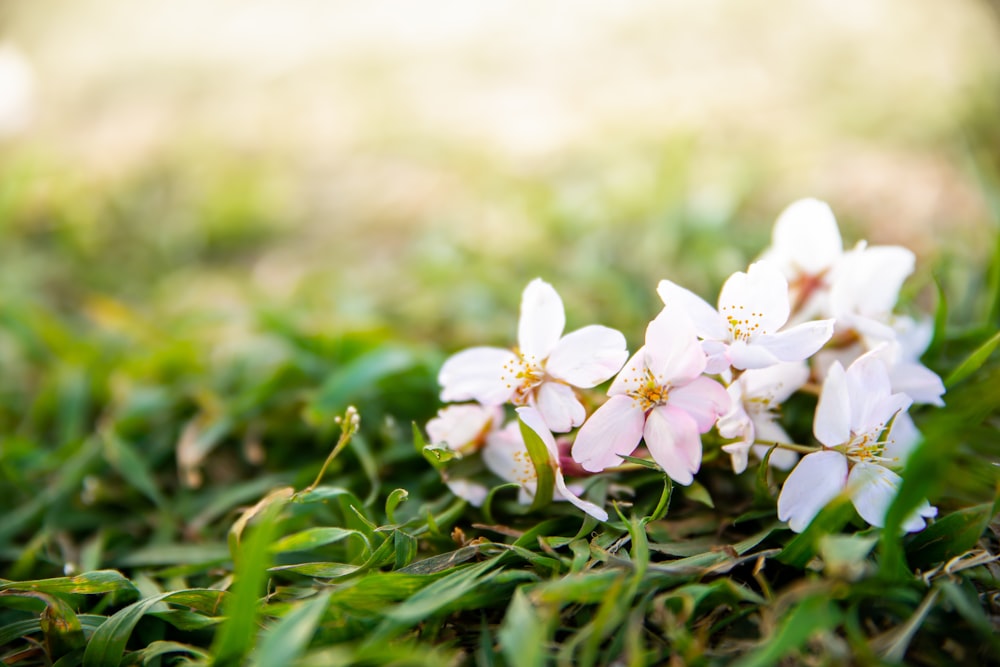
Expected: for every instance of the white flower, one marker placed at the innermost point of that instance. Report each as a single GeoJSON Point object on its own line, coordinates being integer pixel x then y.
{"type": "Point", "coordinates": [543, 369]}
{"type": "Point", "coordinates": [463, 428]}
{"type": "Point", "coordinates": [507, 456]}
{"type": "Point", "coordinates": [854, 411]}
{"type": "Point", "coordinates": [662, 397]}
{"type": "Point", "coordinates": [864, 288]}
{"type": "Point", "coordinates": [744, 332]}
{"type": "Point", "coordinates": [756, 396]}
{"type": "Point", "coordinates": [805, 245]}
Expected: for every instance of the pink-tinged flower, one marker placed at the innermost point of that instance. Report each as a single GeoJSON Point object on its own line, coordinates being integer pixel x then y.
{"type": "Point", "coordinates": [745, 331]}
{"type": "Point", "coordinates": [855, 408]}
{"type": "Point", "coordinates": [756, 397]}
{"type": "Point", "coordinates": [507, 456]}
{"type": "Point", "coordinates": [662, 397]}
{"type": "Point", "coordinates": [463, 428]}
{"type": "Point", "coordinates": [543, 369]}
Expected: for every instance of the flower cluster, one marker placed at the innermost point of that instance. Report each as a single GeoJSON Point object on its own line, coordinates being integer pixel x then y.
{"type": "Point", "coordinates": [807, 316]}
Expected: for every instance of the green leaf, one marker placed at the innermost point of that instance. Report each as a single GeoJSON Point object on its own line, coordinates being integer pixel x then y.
{"type": "Point", "coordinates": [814, 614]}
{"type": "Point", "coordinates": [158, 649]}
{"type": "Point", "coordinates": [88, 583]}
{"type": "Point", "coordinates": [107, 645]}
{"type": "Point", "coordinates": [358, 377]}
{"type": "Point", "coordinates": [526, 632]}
{"type": "Point", "coordinates": [949, 536]}
{"type": "Point", "coordinates": [317, 537]}
{"type": "Point", "coordinates": [544, 469]}
{"type": "Point", "coordinates": [973, 362]}
{"type": "Point", "coordinates": [132, 467]}
{"type": "Point", "coordinates": [235, 637]}
{"type": "Point", "coordinates": [286, 640]}
{"type": "Point", "coordinates": [393, 501]}
{"type": "Point", "coordinates": [697, 492]}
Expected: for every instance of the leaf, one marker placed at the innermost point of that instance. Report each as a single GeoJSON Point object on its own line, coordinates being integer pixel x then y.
{"type": "Point", "coordinates": [158, 649]}
{"type": "Point", "coordinates": [544, 469]}
{"type": "Point", "coordinates": [950, 536]}
{"type": "Point", "coordinates": [88, 583]}
{"type": "Point", "coordinates": [235, 637]}
{"type": "Point", "coordinates": [286, 640]}
{"type": "Point", "coordinates": [393, 501]}
{"type": "Point", "coordinates": [319, 570]}
{"type": "Point", "coordinates": [175, 554]}
{"type": "Point", "coordinates": [107, 645]}
{"type": "Point", "coordinates": [830, 520]}
{"type": "Point", "coordinates": [276, 498]}
{"type": "Point", "coordinates": [526, 631]}
{"type": "Point", "coordinates": [814, 614]}
{"type": "Point", "coordinates": [317, 537]}
{"type": "Point", "coordinates": [134, 468]}
{"type": "Point", "coordinates": [973, 362]}
{"type": "Point", "coordinates": [358, 377]}
{"type": "Point", "coordinates": [697, 492]}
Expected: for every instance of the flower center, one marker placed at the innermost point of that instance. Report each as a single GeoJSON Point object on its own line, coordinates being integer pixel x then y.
{"type": "Point", "coordinates": [650, 392]}
{"type": "Point", "coordinates": [867, 447]}
{"type": "Point", "coordinates": [523, 375]}
{"type": "Point", "coordinates": [743, 325]}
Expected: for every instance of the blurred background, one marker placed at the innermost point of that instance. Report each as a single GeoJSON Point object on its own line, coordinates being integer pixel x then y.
{"type": "Point", "coordinates": [411, 165]}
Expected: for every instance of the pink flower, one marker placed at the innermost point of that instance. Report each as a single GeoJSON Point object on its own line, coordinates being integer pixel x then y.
{"type": "Point", "coordinates": [543, 369]}
{"type": "Point", "coordinates": [661, 396]}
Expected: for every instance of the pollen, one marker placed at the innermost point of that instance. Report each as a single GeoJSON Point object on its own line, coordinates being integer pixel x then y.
{"type": "Point", "coordinates": [650, 392]}
{"type": "Point", "coordinates": [742, 325]}
{"type": "Point", "coordinates": [523, 375]}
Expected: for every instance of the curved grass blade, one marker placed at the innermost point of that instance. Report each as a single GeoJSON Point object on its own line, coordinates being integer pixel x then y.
{"type": "Point", "coordinates": [286, 640]}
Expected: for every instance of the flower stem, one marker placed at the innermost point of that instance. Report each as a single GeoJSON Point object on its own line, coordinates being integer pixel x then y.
{"type": "Point", "coordinates": [803, 449]}
{"type": "Point", "coordinates": [349, 424]}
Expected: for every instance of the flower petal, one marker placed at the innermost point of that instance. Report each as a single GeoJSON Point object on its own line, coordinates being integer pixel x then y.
{"type": "Point", "coordinates": [799, 342]}
{"type": "Point", "coordinates": [805, 238]}
{"type": "Point", "coordinates": [832, 423]}
{"type": "Point", "coordinates": [758, 297]}
{"type": "Point", "coordinates": [673, 352]}
{"type": "Point", "coordinates": [816, 480]}
{"type": "Point", "coordinates": [903, 438]}
{"type": "Point", "coordinates": [462, 428]}
{"type": "Point", "coordinates": [708, 323]}
{"type": "Point", "coordinates": [704, 399]}
{"type": "Point", "coordinates": [564, 493]}
{"type": "Point", "coordinates": [477, 374]}
{"type": "Point", "coordinates": [615, 428]}
{"type": "Point", "coordinates": [588, 356]}
{"type": "Point", "coordinates": [473, 492]}
{"type": "Point", "coordinates": [671, 435]}
{"type": "Point", "coordinates": [559, 407]}
{"type": "Point", "coordinates": [872, 489]}
{"type": "Point", "coordinates": [632, 374]}
{"type": "Point", "coordinates": [867, 280]}
{"type": "Point", "coordinates": [533, 419]}
{"type": "Point", "coordinates": [744, 356]}
{"type": "Point", "coordinates": [543, 319]}
{"type": "Point", "coordinates": [507, 457]}
{"type": "Point", "coordinates": [918, 382]}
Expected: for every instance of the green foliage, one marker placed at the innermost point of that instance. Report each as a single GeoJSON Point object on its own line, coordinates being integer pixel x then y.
{"type": "Point", "coordinates": [177, 488]}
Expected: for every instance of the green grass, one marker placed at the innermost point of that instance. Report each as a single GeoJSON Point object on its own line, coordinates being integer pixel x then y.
{"type": "Point", "coordinates": [158, 458]}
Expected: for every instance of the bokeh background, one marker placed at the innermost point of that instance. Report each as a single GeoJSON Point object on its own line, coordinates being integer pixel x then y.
{"type": "Point", "coordinates": [358, 164]}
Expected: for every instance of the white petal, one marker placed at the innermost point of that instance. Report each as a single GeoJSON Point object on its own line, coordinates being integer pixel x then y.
{"type": "Point", "coordinates": [533, 419]}
{"type": "Point", "coordinates": [782, 459]}
{"type": "Point", "coordinates": [703, 399]}
{"type": "Point", "coordinates": [673, 352]}
{"type": "Point", "coordinates": [543, 319]}
{"type": "Point", "coordinates": [806, 237]}
{"type": "Point", "coordinates": [743, 355]}
{"type": "Point", "coordinates": [462, 428]}
{"type": "Point", "coordinates": [507, 457]}
{"type": "Point", "coordinates": [739, 455]}
{"type": "Point", "coordinates": [775, 383]}
{"type": "Point", "coordinates": [915, 521]}
{"type": "Point", "coordinates": [671, 435]}
{"type": "Point", "coordinates": [758, 297]}
{"type": "Point", "coordinates": [615, 428]}
{"type": "Point", "coordinates": [706, 320]}
{"type": "Point", "coordinates": [903, 438]}
{"type": "Point", "coordinates": [632, 374]}
{"type": "Point", "coordinates": [473, 492]}
{"type": "Point", "coordinates": [588, 356]}
{"type": "Point", "coordinates": [918, 382]}
{"type": "Point", "coordinates": [832, 423]}
{"type": "Point", "coordinates": [872, 403]}
{"type": "Point", "coordinates": [816, 480]}
{"type": "Point", "coordinates": [872, 489]}
{"type": "Point", "coordinates": [867, 280]}
{"type": "Point", "coordinates": [799, 342]}
{"type": "Point", "coordinates": [559, 407]}
{"type": "Point", "coordinates": [563, 493]}
{"type": "Point", "coordinates": [477, 374]}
